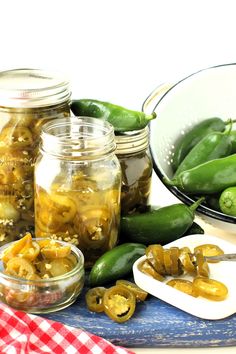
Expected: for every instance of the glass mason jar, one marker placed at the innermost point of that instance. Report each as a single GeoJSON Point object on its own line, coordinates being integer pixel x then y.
{"type": "Point", "coordinates": [136, 165]}
{"type": "Point", "coordinates": [28, 98]}
{"type": "Point", "coordinates": [77, 185]}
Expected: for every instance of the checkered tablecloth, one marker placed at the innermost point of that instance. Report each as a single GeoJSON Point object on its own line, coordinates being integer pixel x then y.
{"type": "Point", "coordinates": [22, 333]}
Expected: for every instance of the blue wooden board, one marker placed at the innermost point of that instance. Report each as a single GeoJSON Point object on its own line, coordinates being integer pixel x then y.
{"type": "Point", "coordinates": [154, 324]}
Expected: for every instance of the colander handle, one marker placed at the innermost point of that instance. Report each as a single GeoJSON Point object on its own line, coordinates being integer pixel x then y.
{"type": "Point", "coordinates": [151, 101]}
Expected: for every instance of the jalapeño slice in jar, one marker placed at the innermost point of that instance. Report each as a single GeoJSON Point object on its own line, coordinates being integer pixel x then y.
{"type": "Point", "coordinates": [17, 247]}
{"type": "Point", "coordinates": [31, 252]}
{"type": "Point", "coordinates": [20, 267]}
{"type": "Point", "coordinates": [55, 250]}
{"type": "Point", "coordinates": [60, 266]}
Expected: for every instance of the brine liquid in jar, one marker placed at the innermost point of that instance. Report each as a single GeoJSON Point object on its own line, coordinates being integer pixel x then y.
{"type": "Point", "coordinates": [77, 185]}
{"type": "Point", "coordinates": [136, 166]}
{"type": "Point", "coordinates": [28, 98]}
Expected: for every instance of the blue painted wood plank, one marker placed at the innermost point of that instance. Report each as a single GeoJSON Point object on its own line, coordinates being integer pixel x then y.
{"type": "Point", "coordinates": [154, 324]}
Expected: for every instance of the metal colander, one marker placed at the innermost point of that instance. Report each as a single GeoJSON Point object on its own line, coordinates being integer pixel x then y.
{"type": "Point", "coordinates": [207, 93]}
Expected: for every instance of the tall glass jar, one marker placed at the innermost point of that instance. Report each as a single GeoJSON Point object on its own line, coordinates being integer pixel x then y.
{"type": "Point", "coordinates": [136, 165]}
{"type": "Point", "coordinates": [77, 185]}
{"type": "Point", "coordinates": [28, 98]}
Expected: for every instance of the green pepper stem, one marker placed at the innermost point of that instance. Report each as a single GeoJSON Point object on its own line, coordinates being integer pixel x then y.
{"type": "Point", "coordinates": [228, 130]}
{"type": "Point", "coordinates": [169, 182]}
{"type": "Point", "coordinates": [230, 121]}
{"type": "Point", "coordinates": [173, 182]}
{"type": "Point", "coordinates": [150, 116]}
{"type": "Point", "coordinates": [196, 204]}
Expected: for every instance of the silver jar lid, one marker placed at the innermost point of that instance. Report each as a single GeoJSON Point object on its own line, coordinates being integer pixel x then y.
{"type": "Point", "coordinates": [30, 88]}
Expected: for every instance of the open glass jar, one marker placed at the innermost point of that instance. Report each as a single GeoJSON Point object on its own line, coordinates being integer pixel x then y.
{"type": "Point", "coordinates": [28, 98]}
{"type": "Point", "coordinates": [136, 166]}
{"type": "Point", "coordinates": [77, 185]}
{"type": "Point", "coordinates": [23, 289]}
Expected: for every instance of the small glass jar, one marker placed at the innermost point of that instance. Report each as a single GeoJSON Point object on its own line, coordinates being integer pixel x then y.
{"type": "Point", "coordinates": [28, 98]}
{"type": "Point", "coordinates": [77, 185]}
{"type": "Point", "coordinates": [43, 295]}
{"type": "Point", "coordinates": [136, 166]}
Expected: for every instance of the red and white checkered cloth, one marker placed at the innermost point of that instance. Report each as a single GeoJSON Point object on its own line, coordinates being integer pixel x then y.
{"type": "Point", "coordinates": [22, 333]}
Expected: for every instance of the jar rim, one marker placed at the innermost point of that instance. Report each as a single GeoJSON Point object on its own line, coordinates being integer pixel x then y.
{"type": "Point", "coordinates": [30, 88]}
{"type": "Point", "coordinates": [77, 136]}
{"type": "Point", "coordinates": [78, 267]}
{"type": "Point", "coordinates": [132, 141]}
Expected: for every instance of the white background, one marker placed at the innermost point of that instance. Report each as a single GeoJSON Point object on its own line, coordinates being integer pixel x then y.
{"type": "Point", "coordinates": [118, 50]}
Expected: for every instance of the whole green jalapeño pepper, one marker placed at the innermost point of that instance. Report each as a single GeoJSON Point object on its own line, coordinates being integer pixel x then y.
{"type": "Point", "coordinates": [208, 178]}
{"type": "Point", "coordinates": [214, 145]}
{"type": "Point", "coordinates": [159, 226]}
{"type": "Point", "coordinates": [121, 118]}
{"type": "Point", "coordinates": [115, 263]}
{"type": "Point", "coordinates": [193, 136]}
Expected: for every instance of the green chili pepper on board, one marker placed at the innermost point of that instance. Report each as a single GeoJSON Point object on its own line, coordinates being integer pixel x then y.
{"type": "Point", "coordinates": [212, 146]}
{"type": "Point", "coordinates": [115, 263]}
{"type": "Point", "coordinates": [161, 226]}
{"type": "Point", "coordinates": [208, 178]}
{"type": "Point", "coordinates": [121, 118]}
{"type": "Point", "coordinates": [186, 142]}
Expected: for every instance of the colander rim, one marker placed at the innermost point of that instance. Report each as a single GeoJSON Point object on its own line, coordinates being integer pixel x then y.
{"type": "Point", "coordinates": [181, 80]}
